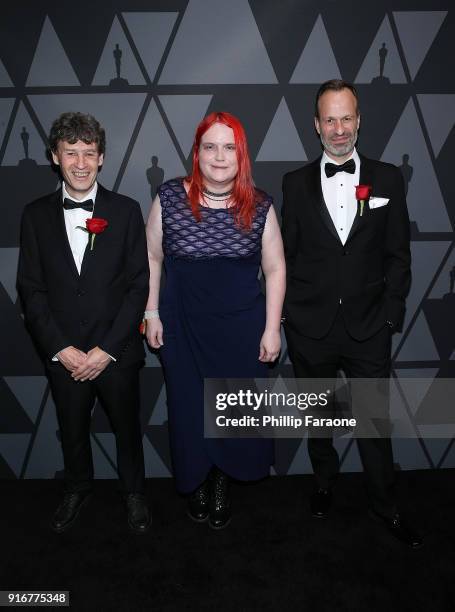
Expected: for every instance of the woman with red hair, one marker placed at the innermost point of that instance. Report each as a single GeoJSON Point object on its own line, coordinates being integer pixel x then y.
{"type": "Point", "coordinates": [213, 229]}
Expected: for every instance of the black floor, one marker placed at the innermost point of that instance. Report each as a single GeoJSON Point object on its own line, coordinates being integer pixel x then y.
{"type": "Point", "coordinates": [273, 556]}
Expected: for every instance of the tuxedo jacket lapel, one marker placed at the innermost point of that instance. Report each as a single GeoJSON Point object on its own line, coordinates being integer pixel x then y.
{"type": "Point", "coordinates": [101, 210]}
{"type": "Point", "coordinates": [316, 190]}
{"type": "Point", "coordinates": [366, 178]}
{"type": "Point", "coordinates": [62, 242]}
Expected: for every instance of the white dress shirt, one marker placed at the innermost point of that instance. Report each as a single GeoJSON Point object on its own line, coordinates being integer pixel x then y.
{"type": "Point", "coordinates": [77, 217]}
{"type": "Point", "coordinates": [339, 195]}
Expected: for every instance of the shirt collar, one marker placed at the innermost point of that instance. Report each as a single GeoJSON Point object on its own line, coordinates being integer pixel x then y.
{"type": "Point", "coordinates": [90, 196]}
{"type": "Point", "coordinates": [328, 160]}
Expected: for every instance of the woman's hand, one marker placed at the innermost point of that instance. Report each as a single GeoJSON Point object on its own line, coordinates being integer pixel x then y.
{"type": "Point", "coordinates": [154, 332]}
{"type": "Point", "coordinates": [270, 346]}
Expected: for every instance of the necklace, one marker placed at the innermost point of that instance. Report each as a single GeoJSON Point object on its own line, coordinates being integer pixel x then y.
{"type": "Point", "coordinates": [215, 199]}
{"type": "Point", "coordinates": [214, 194]}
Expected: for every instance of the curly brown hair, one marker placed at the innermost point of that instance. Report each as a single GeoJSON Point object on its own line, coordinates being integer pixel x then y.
{"type": "Point", "coordinates": [71, 127]}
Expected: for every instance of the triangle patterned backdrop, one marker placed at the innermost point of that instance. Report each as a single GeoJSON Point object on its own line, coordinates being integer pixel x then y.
{"type": "Point", "coordinates": [149, 75]}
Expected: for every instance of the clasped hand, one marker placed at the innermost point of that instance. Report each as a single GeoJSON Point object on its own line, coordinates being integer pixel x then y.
{"type": "Point", "coordinates": [84, 366]}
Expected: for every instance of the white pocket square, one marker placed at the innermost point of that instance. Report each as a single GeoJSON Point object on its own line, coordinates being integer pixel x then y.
{"type": "Point", "coordinates": [378, 202]}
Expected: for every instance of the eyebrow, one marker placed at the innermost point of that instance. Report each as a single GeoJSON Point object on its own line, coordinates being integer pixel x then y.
{"type": "Point", "coordinates": [348, 116]}
{"type": "Point", "coordinates": [82, 150]}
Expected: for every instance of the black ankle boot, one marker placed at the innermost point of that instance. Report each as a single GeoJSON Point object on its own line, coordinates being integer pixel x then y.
{"type": "Point", "coordinates": [220, 502]}
{"type": "Point", "coordinates": [198, 503]}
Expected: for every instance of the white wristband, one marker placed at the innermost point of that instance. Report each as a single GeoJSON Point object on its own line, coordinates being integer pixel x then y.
{"type": "Point", "coordinates": [152, 314]}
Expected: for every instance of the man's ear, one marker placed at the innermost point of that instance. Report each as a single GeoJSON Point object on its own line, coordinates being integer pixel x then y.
{"type": "Point", "coordinates": [316, 125]}
{"type": "Point", "coordinates": [55, 158]}
{"type": "Point", "coordinates": [100, 159]}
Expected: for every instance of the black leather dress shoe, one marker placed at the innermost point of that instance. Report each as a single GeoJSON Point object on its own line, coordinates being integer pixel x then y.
{"type": "Point", "coordinates": [398, 528]}
{"type": "Point", "coordinates": [320, 503]}
{"type": "Point", "coordinates": [198, 503]}
{"type": "Point", "coordinates": [139, 516]}
{"type": "Point", "coordinates": [68, 510]}
{"type": "Point", "coordinates": [220, 502]}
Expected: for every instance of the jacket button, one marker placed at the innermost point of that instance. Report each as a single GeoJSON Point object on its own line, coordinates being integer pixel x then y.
{"type": "Point", "coordinates": [345, 252]}
{"type": "Point", "coordinates": [80, 293]}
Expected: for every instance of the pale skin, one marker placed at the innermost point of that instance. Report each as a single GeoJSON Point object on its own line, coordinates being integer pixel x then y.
{"type": "Point", "coordinates": [79, 164]}
{"type": "Point", "coordinates": [338, 123]}
{"type": "Point", "coordinates": [218, 165]}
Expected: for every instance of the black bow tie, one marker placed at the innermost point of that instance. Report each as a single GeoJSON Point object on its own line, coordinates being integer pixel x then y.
{"type": "Point", "coordinates": [332, 169]}
{"type": "Point", "coordinates": [69, 204]}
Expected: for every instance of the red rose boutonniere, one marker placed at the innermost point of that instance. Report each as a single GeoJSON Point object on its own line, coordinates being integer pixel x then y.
{"type": "Point", "coordinates": [93, 227]}
{"type": "Point", "coordinates": [362, 194]}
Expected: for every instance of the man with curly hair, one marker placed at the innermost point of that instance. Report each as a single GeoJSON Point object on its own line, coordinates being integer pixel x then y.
{"type": "Point", "coordinates": [83, 279]}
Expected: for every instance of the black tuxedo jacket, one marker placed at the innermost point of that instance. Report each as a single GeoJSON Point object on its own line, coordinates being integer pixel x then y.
{"type": "Point", "coordinates": [103, 306]}
{"type": "Point", "coordinates": [369, 276]}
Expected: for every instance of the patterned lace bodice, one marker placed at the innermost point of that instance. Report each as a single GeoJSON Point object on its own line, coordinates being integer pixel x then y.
{"type": "Point", "coordinates": [215, 235]}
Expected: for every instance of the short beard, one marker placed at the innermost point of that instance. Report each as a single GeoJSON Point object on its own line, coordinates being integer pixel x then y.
{"type": "Point", "coordinates": [337, 151]}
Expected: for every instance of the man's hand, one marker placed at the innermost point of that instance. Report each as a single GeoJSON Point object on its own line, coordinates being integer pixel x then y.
{"type": "Point", "coordinates": [71, 358]}
{"type": "Point", "coordinates": [96, 361]}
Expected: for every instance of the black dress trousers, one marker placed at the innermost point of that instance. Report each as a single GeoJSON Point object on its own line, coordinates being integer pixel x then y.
{"type": "Point", "coordinates": [118, 392]}
{"type": "Point", "coordinates": [370, 358]}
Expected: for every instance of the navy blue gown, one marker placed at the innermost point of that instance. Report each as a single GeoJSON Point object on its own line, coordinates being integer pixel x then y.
{"type": "Point", "coordinates": [213, 314]}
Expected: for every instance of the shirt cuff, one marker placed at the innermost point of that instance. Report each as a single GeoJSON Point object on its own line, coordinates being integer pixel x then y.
{"type": "Point", "coordinates": [55, 357]}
